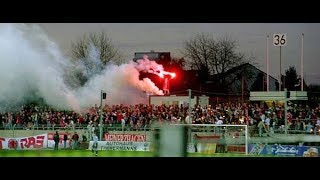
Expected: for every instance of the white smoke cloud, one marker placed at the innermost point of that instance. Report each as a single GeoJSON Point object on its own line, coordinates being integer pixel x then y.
{"type": "Point", "coordinates": [122, 85]}
{"type": "Point", "coordinates": [32, 67]}
{"type": "Point", "coordinates": [91, 65]}
{"type": "Point", "coordinates": [145, 65]}
{"type": "Point", "coordinates": [30, 62]}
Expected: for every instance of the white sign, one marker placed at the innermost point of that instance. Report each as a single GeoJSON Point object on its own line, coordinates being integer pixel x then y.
{"type": "Point", "coordinates": [31, 142]}
{"type": "Point", "coordinates": [279, 39]}
{"type": "Point", "coordinates": [51, 144]}
{"type": "Point", "coordinates": [122, 145]}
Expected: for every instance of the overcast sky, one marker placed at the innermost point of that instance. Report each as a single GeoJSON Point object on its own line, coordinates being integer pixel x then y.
{"type": "Point", "coordinates": [137, 37]}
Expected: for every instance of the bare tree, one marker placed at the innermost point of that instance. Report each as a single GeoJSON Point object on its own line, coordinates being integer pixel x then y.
{"type": "Point", "coordinates": [225, 55]}
{"type": "Point", "coordinates": [199, 51]}
{"type": "Point", "coordinates": [103, 44]}
{"type": "Point", "coordinates": [217, 55]}
{"type": "Point", "coordinates": [91, 53]}
{"type": "Point", "coordinates": [213, 56]}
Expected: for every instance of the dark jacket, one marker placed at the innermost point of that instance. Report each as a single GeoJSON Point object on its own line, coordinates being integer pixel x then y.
{"type": "Point", "coordinates": [65, 137]}
{"type": "Point", "coordinates": [56, 137]}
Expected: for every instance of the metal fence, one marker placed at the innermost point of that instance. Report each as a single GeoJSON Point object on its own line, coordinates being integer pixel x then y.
{"type": "Point", "coordinates": [298, 126]}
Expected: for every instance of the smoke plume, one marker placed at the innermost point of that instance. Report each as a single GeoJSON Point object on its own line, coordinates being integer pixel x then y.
{"type": "Point", "coordinates": [33, 68]}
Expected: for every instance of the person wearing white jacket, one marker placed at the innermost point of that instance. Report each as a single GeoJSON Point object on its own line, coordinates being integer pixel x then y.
{"type": "Point", "coordinates": [95, 144]}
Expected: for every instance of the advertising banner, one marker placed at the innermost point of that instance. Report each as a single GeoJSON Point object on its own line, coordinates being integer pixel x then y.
{"type": "Point", "coordinates": [125, 137]}
{"type": "Point", "coordinates": [61, 142]}
{"type": "Point", "coordinates": [283, 150]}
{"type": "Point", "coordinates": [122, 146]}
{"type": "Point", "coordinates": [24, 143]}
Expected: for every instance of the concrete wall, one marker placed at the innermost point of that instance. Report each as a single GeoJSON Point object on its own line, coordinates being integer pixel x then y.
{"type": "Point", "coordinates": [169, 100]}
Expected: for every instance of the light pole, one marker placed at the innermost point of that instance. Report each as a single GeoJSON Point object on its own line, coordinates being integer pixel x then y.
{"type": "Point", "coordinates": [102, 96]}
{"type": "Point", "coordinates": [267, 59]}
{"type": "Point", "coordinates": [280, 79]}
{"type": "Point", "coordinates": [189, 104]}
{"type": "Point", "coordinates": [302, 35]}
{"type": "Point", "coordinates": [286, 98]}
{"type": "Point", "coordinates": [280, 40]}
{"type": "Point", "coordinates": [189, 114]}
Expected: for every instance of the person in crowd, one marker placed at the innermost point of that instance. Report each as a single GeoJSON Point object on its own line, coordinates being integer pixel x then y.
{"type": "Point", "coordinates": [75, 140]}
{"type": "Point", "coordinates": [141, 115]}
{"type": "Point", "coordinates": [84, 138]}
{"type": "Point", "coordinates": [56, 139]}
{"type": "Point", "coordinates": [65, 138]}
{"type": "Point", "coordinates": [195, 142]}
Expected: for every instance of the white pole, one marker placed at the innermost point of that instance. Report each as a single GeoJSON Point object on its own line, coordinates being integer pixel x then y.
{"type": "Point", "coordinates": [285, 111]}
{"type": "Point", "coordinates": [189, 104]}
{"type": "Point", "coordinates": [267, 58]}
{"type": "Point", "coordinates": [246, 131]}
{"type": "Point", "coordinates": [280, 78]}
{"type": "Point", "coordinates": [302, 79]}
{"type": "Point", "coordinates": [189, 114]}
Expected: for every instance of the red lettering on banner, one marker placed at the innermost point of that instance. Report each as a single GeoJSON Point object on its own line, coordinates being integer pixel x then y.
{"type": "Point", "coordinates": [22, 142]}
{"type": "Point", "coordinates": [108, 137]}
{"type": "Point", "coordinates": [125, 137]}
{"type": "Point", "coordinates": [39, 142]}
{"type": "Point", "coordinates": [140, 138]}
{"type": "Point", "coordinates": [12, 143]}
{"type": "Point", "coordinates": [120, 137]}
{"type": "Point", "coordinates": [1, 139]}
{"type": "Point", "coordinates": [236, 148]}
{"type": "Point", "coordinates": [61, 136]}
{"type": "Point", "coordinates": [32, 142]}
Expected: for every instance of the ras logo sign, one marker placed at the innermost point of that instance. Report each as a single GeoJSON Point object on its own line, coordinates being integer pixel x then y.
{"type": "Point", "coordinates": [12, 144]}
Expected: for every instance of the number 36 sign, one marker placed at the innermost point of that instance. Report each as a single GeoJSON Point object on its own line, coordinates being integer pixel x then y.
{"type": "Point", "coordinates": [279, 39]}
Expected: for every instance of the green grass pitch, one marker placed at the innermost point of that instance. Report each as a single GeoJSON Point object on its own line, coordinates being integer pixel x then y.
{"type": "Point", "coordinates": [102, 153]}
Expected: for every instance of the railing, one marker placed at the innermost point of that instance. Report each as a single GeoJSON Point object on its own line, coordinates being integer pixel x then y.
{"type": "Point", "coordinates": [13, 129]}
{"type": "Point", "coordinates": [35, 127]}
{"type": "Point", "coordinates": [118, 127]}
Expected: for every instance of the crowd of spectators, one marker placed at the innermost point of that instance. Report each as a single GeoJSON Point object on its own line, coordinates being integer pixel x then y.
{"type": "Point", "coordinates": [138, 117]}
